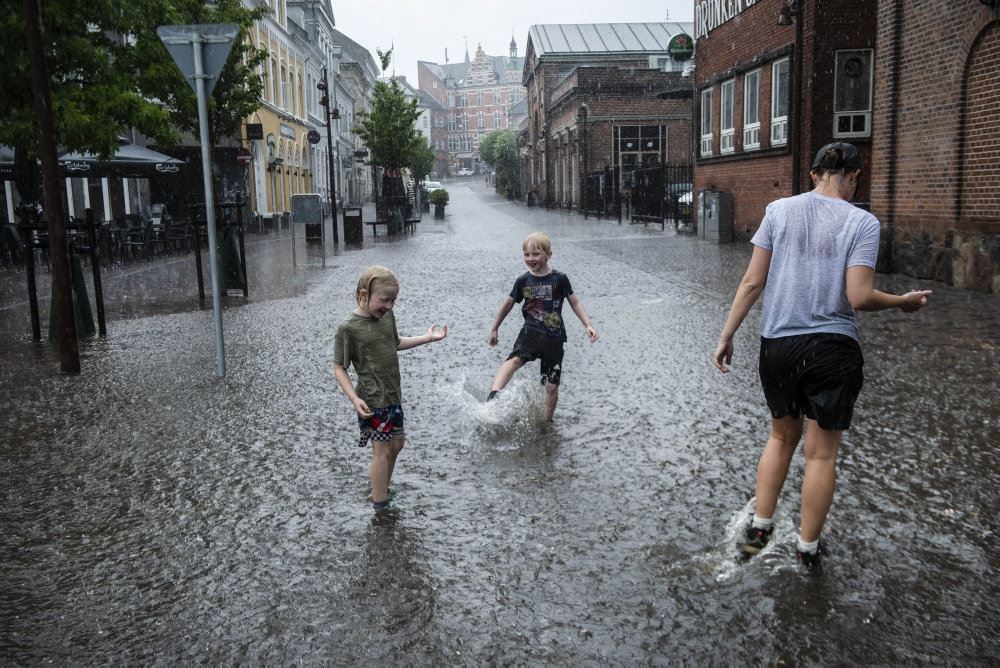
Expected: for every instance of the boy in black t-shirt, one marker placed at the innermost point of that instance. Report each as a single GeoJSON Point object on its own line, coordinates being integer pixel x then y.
{"type": "Point", "coordinates": [543, 291]}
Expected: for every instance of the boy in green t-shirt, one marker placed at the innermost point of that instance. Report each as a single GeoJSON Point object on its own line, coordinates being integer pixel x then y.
{"type": "Point", "coordinates": [368, 340]}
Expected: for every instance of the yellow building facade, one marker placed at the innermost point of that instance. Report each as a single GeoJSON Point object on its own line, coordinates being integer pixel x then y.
{"type": "Point", "coordinates": [281, 164]}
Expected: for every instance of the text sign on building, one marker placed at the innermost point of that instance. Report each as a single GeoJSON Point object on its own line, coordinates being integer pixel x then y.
{"type": "Point", "coordinates": [710, 14]}
{"type": "Point", "coordinates": [255, 131]}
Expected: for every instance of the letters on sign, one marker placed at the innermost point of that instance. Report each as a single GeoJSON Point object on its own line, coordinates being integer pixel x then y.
{"type": "Point", "coordinates": [710, 14]}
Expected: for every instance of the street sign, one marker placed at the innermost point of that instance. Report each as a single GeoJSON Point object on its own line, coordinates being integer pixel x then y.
{"type": "Point", "coordinates": [216, 40]}
{"type": "Point", "coordinates": [307, 209]}
{"type": "Point", "coordinates": [313, 137]}
{"type": "Point", "coordinates": [200, 52]}
{"type": "Point", "coordinates": [244, 157]}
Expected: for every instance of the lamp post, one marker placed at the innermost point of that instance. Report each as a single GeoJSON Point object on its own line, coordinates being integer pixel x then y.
{"type": "Point", "coordinates": [331, 165]}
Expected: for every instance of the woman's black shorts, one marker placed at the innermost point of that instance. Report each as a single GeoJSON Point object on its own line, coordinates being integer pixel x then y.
{"type": "Point", "coordinates": [819, 375]}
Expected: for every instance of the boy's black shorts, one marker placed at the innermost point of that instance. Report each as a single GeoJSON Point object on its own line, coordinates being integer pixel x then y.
{"type": "Point", "coordinates": [531, 345]}
{"type": "Point", "coordinates": [816, 374]}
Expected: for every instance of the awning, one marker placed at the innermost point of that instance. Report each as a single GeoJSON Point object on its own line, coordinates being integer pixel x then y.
{"type": "Point", "coordinates": [129, 161]}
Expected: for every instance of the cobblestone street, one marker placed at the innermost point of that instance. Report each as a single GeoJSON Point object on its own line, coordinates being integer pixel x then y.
{"type": "Point", "coordinates": [152, 512]}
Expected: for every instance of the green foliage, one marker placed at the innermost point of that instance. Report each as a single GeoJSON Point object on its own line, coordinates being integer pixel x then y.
{"type": "Point", "coordinates": [102, 84]}
{"type": "Point", "coordinates": [506, 162]}
{"type": "Point", "coordinates": [439, 197]}
{"type": "Point", "coordinates": [388, 129]}
{"type": "Point", "coordinates": [422, 157]}
{"type": "Point", "coordinates": [486, 147]}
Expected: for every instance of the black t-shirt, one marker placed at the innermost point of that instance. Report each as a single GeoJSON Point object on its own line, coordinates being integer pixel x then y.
{"type": "Point", "coordinates": [543, 298]}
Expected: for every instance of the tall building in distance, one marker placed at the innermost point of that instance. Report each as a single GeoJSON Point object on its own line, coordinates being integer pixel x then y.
{"type": "Point", "coordinates": [477, 95]}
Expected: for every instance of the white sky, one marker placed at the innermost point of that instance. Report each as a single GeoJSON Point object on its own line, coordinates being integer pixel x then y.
{"type": "Point", "coordinates": [422, 30]}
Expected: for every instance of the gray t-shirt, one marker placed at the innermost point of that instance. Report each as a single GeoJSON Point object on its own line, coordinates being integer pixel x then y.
{"type": "Point", "coordinates": [813, 239]}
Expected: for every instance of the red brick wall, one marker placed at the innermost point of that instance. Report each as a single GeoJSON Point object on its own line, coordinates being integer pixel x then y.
{"type": "Point", "coordinates": [751, 40]}
{"type": "Point", "coordinates": [980, 202]}
{"type": "Point", "coordinates": [928, 143]}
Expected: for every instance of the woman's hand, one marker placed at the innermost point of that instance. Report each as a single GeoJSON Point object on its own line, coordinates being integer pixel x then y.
{"type": "Point", "coordinates": [914, 300]}
{"type": "Point", "coordinates": [723, 355]}
{"type": "Point", "coordinates": [361, 407]}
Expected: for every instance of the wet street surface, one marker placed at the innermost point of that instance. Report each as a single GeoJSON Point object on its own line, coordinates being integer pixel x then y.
{"type": "Point", "coordinates": [151, 512]}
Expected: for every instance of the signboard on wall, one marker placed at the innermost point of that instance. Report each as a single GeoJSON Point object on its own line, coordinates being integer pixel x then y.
{"type": "Point", "coordinates": [710, 14]}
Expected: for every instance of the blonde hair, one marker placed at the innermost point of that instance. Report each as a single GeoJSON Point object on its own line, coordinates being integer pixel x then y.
{"type": "Point", "coordinates": [539, 239]}
{"type": "Point", "coordinates": [374, 277]}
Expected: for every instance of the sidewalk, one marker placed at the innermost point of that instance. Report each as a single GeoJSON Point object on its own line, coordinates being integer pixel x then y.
{"type": "Point", "coordinates": [169, 283]}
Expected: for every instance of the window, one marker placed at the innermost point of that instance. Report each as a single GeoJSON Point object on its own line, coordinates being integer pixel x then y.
{"type": "Point", "coordinates": [852, 94]}
{"type": "Point", "coordinates": [434, 84]}
{"type": "Point", "coordinates": [451, 99]}
{"type": "Point", "coordinates": [464, 100]}
{"type": "Point", "coordinates": [496, 118]}
{"type": "Point", "coordinates": [706, 121]}
{"type": "Point", "coordinates": [751, 110]}
{"type": "Point", "coordinates": [779, 102]}
{"type": "Point", "coordinates": [726, 130]}
{"type": "Point", "coordinates": [479, 98]}
{"type": "Point", "coordinates": [481, 120]}
{"type": "Point", "coordinates": [451, 122]}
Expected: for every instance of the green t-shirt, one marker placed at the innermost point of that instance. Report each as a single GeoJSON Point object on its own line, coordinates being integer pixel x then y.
{"type": "Point", "coordinates": [370, 345]}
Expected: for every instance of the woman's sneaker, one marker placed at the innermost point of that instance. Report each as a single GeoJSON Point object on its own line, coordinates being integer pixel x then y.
{"type": "Point", "coordinates": [811, 562]}
{"type": "Point", "coordinates": [755, 540]}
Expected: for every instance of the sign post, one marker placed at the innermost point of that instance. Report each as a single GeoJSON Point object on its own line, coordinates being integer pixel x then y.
{"type": "Point", "coordinates": [201, 51]}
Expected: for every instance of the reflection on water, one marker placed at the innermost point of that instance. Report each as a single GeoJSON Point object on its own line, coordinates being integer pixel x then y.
{"type": "Point", "coordinates": [151, 512]}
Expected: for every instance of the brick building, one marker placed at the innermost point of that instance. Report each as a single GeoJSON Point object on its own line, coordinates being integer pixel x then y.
{"type": "Point", "coordinates": [915, 85]}
{"type": "Point", "coordinates": [936, 141]}
{"type": "Point", "coordinates": [477, 95]}
{"type": "Point", "coordinates": [593, 104]}
{"type": "Point", "coordinates": [770, 93]}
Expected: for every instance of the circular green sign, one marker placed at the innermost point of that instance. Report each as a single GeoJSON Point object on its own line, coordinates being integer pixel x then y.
{"type": "Point", "coordinates": [681, 47]}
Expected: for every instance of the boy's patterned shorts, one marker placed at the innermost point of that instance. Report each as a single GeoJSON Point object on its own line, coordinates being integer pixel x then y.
{"type": "Point", "coordinates": [385, 424]}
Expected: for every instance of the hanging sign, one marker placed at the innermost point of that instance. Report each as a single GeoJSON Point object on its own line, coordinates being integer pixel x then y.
{"type": "Point", "coordinates": [681, 47]}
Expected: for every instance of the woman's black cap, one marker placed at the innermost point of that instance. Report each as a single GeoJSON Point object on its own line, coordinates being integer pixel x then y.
{"type": "Point", "coordinates": [838, 155]}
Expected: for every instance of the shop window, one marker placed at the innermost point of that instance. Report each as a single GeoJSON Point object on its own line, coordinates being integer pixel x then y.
{"type": "Point", "coordinates": [726, 129]}
{"type": "Point", "coordinates": [706, 122]}
{"type": "Point", "coordinates": [779, 102]}
{"type": "Point", "coordinates": [751, 110]}
{"type": "Point", "coordinates": [852, 94]}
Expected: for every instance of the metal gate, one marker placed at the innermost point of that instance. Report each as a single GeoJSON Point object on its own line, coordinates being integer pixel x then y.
{"type": "Point", "coordinates": [660, 194]}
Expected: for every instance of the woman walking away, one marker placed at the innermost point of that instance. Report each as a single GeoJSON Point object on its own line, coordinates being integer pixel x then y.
{"type": "Point", "coordinates": [815, 253]}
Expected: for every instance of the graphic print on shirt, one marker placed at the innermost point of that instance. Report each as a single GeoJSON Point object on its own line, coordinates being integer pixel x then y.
{"type": "Point", "coordinates": [535, 298]}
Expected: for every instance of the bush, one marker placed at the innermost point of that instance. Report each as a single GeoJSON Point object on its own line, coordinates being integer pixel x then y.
{"type": "Point", "coordinates": [439, 197]}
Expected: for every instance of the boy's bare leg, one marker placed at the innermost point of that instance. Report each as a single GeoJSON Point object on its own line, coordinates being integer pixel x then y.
{"type": "Point", "coordinates": [551, 399]}
{"type": "Point", "coordinates": [819, 479]}
{"type": "Point", "coordinates": [772, 468]}
{"type": "Point", "coordinates": [505, 372]}
{"type": "Point", "coordinates": [384, 455]}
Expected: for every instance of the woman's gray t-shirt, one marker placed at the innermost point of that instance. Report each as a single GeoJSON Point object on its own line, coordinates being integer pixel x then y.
{"type": "Point", "coordinates": [813, 239]}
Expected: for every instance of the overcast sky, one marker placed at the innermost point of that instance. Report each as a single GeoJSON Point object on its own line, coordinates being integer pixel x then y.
{"type": "Point", "coordinates": [422, 30]}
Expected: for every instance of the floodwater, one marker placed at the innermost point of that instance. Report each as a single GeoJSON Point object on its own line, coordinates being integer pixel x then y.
{"type": "Point", "coordinates": [154, 513]}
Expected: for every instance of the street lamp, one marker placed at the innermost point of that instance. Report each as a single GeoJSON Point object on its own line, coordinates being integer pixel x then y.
{"type": "Point", "coordinates": [331, 164]}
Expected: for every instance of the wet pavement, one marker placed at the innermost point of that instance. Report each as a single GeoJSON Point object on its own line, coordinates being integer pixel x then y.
{"type": "Point", "coordinates": [153, 512]}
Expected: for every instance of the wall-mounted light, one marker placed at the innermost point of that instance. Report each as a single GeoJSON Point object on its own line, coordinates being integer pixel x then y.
{"type": "Point", "coordinates": [789, 11]}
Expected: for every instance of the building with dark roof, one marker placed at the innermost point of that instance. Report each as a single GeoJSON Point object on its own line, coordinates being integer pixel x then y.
{"type": "Point", "coordinates": [477, 95]}
{"type": "Point", "coordinates": [603, 101]}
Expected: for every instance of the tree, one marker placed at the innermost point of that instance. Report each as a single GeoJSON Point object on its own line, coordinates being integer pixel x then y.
{"type": "Point", "coordinates": [109, 72]}
{"type": "Point", "coordinates": [506, 160]}
{"type": "Point", "coordinates": [422, 160]}
{"type": "Point", "coordinates": [486, 147]}
{"type": "Point", "coordinates": [388, 129]}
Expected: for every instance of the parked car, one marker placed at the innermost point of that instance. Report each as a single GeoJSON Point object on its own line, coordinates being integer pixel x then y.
{"type": "Point", "coordinates": [465, 172]}
{"type": "Point", "coordinates": [684, 204]}
{"type": "Point", "coordinates": [431, 186]}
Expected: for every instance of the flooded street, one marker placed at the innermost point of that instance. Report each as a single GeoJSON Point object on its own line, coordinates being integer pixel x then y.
{"type": "Point", "coordinates": [154, 513]}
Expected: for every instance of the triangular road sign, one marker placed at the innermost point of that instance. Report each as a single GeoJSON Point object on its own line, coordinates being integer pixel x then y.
{"type": "Point", "coordinates": [216, 41]}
